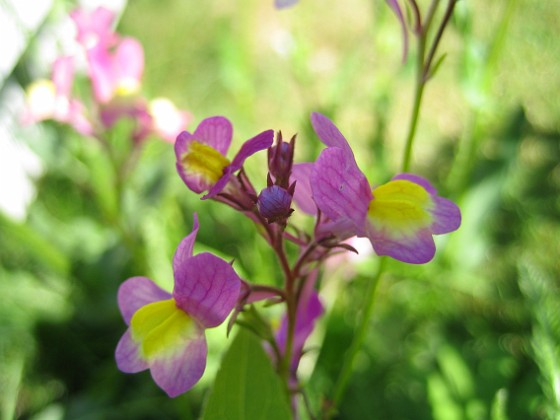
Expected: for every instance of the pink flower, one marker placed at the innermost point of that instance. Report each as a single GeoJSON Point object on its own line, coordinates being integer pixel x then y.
{"type": "Point", "coordinates": [94, 28]}
{"type": "Point", "coordinates": [201, 156]}
{"type": "Point", "coordinates": [51, 99]}
{"type": "Point", "coordinates": [116, 71]}
{"type": "Point", "coordinates": [167, 120]}
{"type": "Point", "coordinates": [166, 331]}
{"type": "Point", "coordinates": [398, 217]}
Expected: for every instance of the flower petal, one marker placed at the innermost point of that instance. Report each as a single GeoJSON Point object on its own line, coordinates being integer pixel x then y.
{"type": "Point", "coordinates": [446, 215]}
{"type": "Point", "coordinates": [128, 356]}
{"type": "Point", "coordinates": [216, 132]}
{"type": "Point", "coordinates": [301, 174]}
{"type": "Point", "coordinates": [101, 73]}
{"type": "Point", "coordinates": [340, 189]}
{"type": "Point", "coordinates": [137, 292]}
{"type": "Point", "coordinates": [94, 27]}
{"type": "Point", "coordinates": [172, 344]}
{"type": "Point", "coordinates": [185, 248]}
{"type": "Point", "coordinates": [328, 132]}
{"type": "Point", "coordinates": [207, 288]}
{"type": "Point", "coordinates": [260, 142]}
{"type": "Point", "coordinates": [63, 75]}
{"type": "Point", "coordinates": [129, 62]}
{"type": "Point", "coordinates": [423, 182]}
{"type": "Point", "coordinates": [199, 164]}
{"type": "Point", "coordinates": [416, 248]}
{"type": "Point", "coordinates": [180, 371]}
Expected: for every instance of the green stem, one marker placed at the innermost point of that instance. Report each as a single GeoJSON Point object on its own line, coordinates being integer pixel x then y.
{"type": "Point", "coordinates": [419, 89]}
{"type": "Point", "coordinates": [413, 124]}
{"type": "Point", "coordinates": [423, 72]}
{"type": "Point", "coordinates": [359, 336]}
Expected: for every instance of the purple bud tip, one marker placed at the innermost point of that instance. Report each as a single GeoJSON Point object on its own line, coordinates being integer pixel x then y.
{"type": "Point", "coordinates": [280, 160]}
{"type": "Point", "coordinates": [274, 203]}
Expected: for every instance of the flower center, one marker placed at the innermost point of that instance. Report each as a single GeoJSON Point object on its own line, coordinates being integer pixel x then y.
{"type": "Point", "coordinates": [400, 206]}
{"type": "Point", "coordinates": [161, 327]}
{"type": "Point", "coordinates": [127, 86]}
{"type": "Point", "coordinates": [204, 161]}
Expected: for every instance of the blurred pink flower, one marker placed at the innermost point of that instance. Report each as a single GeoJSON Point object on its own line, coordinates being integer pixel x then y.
{"type": "Point", "coordinates": [51, 99]}
{"type": "Point", "coordinates": [94, 28]}
{"type": "Point", "coordinates": [116, 71]}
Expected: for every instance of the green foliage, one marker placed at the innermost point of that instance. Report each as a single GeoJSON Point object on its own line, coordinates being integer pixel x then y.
{"type": "Point", "coordinates": [246, 386]}
{"type": "Point", "coordinates": [474, 334]}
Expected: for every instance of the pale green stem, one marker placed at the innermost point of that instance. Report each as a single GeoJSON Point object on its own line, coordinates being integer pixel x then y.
{"type": "Point", "coordinates": [359, 335]}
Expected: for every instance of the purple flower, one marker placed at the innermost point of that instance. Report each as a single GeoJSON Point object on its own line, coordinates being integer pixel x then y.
{"type": "Point", "coordinates": [398, 217]}
{"type": "Point", "coordinates": [201, 156]}
{"type": "Point", "coordinates": [166, 331]}
{"type": "Point", "coordinates": [281, 4]}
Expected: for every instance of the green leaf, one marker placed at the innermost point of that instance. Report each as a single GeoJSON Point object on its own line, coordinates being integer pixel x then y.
{"type": "Point", "coordinates": [246, 386]}
{"type": "Point", "coordinates": [37, 247]}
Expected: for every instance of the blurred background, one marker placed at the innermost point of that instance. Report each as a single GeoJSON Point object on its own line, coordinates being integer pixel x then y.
{"type": "Point", "coordinates": [475, 334]}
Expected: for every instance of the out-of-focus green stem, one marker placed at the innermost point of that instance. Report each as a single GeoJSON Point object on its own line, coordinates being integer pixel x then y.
{"type": "Point", "coordinates": [359, 335]}
{"type": "Point", "coordinates": [423, 71]}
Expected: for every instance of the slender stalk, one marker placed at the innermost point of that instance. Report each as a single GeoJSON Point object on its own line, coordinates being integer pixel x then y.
{"type": "Point", "coordinates": [359, 335]}
{"type": "Point", "coordinates": [437, 38]}
{"type": "Point", "coordinates": [419, 87]}
{"type": "Point", "coordinates": [423, 71]}
{"type": "Point", "coordinates": [419, 91]}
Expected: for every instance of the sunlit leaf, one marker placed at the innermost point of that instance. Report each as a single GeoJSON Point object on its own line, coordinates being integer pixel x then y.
{"type": "Point", "coordinates": [246, 385]}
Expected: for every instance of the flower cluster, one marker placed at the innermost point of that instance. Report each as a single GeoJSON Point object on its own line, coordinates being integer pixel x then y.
{"type": "Point", "coordinates": [114, 68]}
{"type": "Point", "coordinates": [398, 217]}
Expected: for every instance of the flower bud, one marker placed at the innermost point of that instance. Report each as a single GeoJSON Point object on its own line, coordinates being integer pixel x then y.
{"type": "Point", "coordinates": [280, 160]}
{"type": "Point", "coordinates": [274, 203]}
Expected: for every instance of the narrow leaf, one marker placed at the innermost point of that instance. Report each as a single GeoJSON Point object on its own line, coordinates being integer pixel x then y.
{"type": "Point", "coordinates": [246, 386]}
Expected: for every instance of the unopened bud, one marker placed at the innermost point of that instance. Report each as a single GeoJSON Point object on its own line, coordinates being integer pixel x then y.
{"type": "Point", "coordinates": [280, 160]}
{"type": "Point", "coordinates": [274, 203]}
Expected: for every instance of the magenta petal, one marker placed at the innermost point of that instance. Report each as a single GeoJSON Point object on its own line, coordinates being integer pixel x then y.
{"type": "Point", "coordinates": [216, 132]}
{"type": "Point", "coordinates": [94, 27]}
{"type": "Point", "coordinates": [185, 248]}
{"type": "Point", "coordinates": [179, 372]}
{"type": "Point", "coordinates": [340, 189]}
{"type": "Point", "coordinates": [220, 184]}
{"type": "Point", "coordinates": [250, 147]}
{"type": "Point", "coordinates": [207, 288]}
{"type": "Point", "coordinates": [63, 75]}
{"type": "Point", "coordinates": [127, 355]}
{"type": "Point", "coordinates": [447, 216]}
{"type": "Point", "coordinates": [328, 132]}
{"type": "Point", "coordinates": [137, 292]}
{"type": "Point", "coordinates": [301, 174]}
{"type": "Point", "coordinates": [129, 59]}
{"type": "Point", "coordinates": [418, 249]}
{"type": "Point", "coordinates": [423, 182]}
{"type": "Point", "coordinates": [101, 73]}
